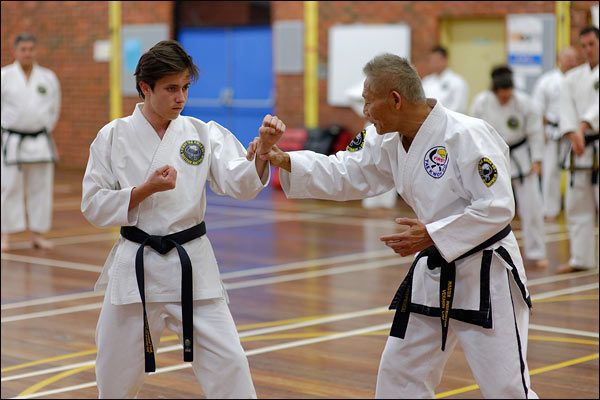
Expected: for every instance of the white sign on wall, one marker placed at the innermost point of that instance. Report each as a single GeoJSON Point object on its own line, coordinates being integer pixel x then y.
{"type": "Point", "coordinates": [352, 46]}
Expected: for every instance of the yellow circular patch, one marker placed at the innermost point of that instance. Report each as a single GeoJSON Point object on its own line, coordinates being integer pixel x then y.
{"type": "Point", "coordinates": [192, 152]}
{"type": "Point", "coordinates": [487, 171]}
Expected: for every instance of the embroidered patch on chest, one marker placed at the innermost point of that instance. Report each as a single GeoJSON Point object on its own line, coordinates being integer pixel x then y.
{"type": "Point", "coordinates": [192, 152]}
{"type": "Point", "coordinates": [41, 89]}
{"type": "Point", "coordinates": [436, 161]}
{"type": "Point", "coordinates": [512, 122]}
{"type": "Point", "coordinates": [358, 142]}
{"type": "Point", "coordinates": [487, 171]}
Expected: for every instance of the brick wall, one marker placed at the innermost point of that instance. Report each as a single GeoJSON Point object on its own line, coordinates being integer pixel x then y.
{"type": "Point", "coordinates": [423, 17]}
{"type": "Point", "coordinates": [66, 32]}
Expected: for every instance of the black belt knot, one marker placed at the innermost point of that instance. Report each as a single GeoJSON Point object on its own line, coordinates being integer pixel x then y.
{"type": "Point", "coordinates": [163, 245]}
{"type": "Point", "coordinates": [403, 298]}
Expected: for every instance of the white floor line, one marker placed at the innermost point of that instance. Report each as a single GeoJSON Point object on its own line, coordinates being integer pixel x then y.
{"type": "Point", "coordinates": [562, 292]}
{"type": "Point", "coordinates": [51, 300]}
{"type": "Point", "coordinates": [51, 313]}
{"type": "Point", "coordinates": [336, 318]}
{"type": "Point", "coordinates": [52, 263]}
{"type": "Point", "coordinates": [565, 331]}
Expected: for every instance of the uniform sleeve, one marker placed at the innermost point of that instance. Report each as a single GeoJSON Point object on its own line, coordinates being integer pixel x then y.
{"type": "Point", "coordinates": [56, 102]}
{"type": "Point", "coordinates": [591, 115]}
{"type": "Point", "coordinates": [482, 167]}
{"type": "Point", "coordinates": [230, 173]}
{"type": "Point", "coordinates": [534, 130]}
{"type": "Point", "coordinates": [104, 202]}
{"type": "Point", "coordinates": [539, 96]}
{"type": "Point", "coordinates": [568, 113]}
{"type": "Point", "coordinates": [347, 175]}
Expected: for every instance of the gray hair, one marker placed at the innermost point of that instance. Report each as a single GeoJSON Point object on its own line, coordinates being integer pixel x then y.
{"type": "Point", "coordinates": [391, 72]}
{"type": "Point", "coordinates": [24, 37]}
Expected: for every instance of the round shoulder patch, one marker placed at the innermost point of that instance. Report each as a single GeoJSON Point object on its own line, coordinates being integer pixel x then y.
{"type": "Point", "coordinates": [358, 142]}
{"type": "Point", "coordinates": [192, 152]}
{"type": "Point", "coordinates": [487, 171]}
{"type": "Point", "coordinates": [436, 161]}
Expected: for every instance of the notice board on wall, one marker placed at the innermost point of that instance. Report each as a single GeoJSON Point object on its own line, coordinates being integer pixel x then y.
{"type": "Point", "coordinates": [352, 46]}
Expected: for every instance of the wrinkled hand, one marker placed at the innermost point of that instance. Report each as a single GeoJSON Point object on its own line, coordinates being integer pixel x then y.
{"type": "Point", "coordinates": [270, 132]}
{"type": "Point", "coordinates": [164, 178]}
{"type": "Point", "coordinates": [409, 241]}
{"type": "Point", "coordinates": [276, 156]}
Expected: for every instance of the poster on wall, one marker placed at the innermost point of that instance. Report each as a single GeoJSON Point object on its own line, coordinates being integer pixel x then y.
{"type": "Point", "coordinates": [351, 47]}
{"type": "Point", "coordinates": [531, 46]}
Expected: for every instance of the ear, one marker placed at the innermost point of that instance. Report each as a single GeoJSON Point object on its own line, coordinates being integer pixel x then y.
{"type": "Point", "coordinates": [145, 88]}
{"type": "Point", "coordinates": [396, 99]}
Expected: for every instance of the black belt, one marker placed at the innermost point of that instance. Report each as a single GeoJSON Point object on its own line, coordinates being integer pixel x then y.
{"type": "Point", "coordinates": [402, 299]}
{"type": "Point", "coordinates": [164, 244]}
{"type": "Point", "coordinates": [589, 138]}
{"type": "Point", "coordinates": [511, 148]}
{"type": "Point", "coordinates": [23, 135]}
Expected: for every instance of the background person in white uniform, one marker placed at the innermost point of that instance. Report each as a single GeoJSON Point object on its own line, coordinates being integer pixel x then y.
{"type": "Point", "coordinates": [444, 84]}
{"type": "Point", "coordinates": [516, 118]}
{"type": "Point", "coordinates": [148, 174]}
{"type": "Point", "coordinates": [453, 170]}
{"type": "Point", "coordinates": [545, 94]}
{"type": "Point", "coordinates": [579, 124]}
{"type": "Point", "coordinates": [30, 110]}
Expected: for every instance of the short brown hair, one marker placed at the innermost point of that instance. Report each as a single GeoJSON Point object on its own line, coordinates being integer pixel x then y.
{"type": "Point", "coordinates": [164, 58]}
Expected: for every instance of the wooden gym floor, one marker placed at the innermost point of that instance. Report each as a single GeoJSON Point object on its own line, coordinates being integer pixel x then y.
{"type": "Point", "coordinates": [309, 283]}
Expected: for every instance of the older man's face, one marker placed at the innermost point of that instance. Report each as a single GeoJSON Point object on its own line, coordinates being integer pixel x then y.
{"type": "Point", "coordinates": [376, 108]}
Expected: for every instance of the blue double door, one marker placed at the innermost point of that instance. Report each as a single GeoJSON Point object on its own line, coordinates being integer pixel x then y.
{"type": "Point", "coordinates": [235, 87]}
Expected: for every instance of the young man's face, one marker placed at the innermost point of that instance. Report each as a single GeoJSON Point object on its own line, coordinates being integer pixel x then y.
{"type": "Point", "coordinates": [169, 95]}
{"type": "Point", "coordinates": [25, 53]}
{"type": "Point", "coordinates": [504, 95]}
{"type": "Point", "coordinates": [589, 45]}
{"type": "Point", "coordinates": [437, 63]}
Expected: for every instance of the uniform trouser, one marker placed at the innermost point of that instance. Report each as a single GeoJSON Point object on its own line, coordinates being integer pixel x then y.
{"type": "Point", "coordinates": [27, 197]}
{"type": "Point", "coordinates": [220, 364]}
{"type": "Point", "coordinates": [551, 176]}
{"type": "Point", "coordinates": [581, 205]}
{"type": "Point", "coordinates": [412, 367]}
{"type": "Point", "coordinates": [529, 209]}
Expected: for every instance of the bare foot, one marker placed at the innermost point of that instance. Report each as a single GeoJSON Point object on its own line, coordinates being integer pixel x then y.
{"type": "Point", "coordinates": [5, 245]}
{"type": "Point", "coordinates": [538, 264]}
{"type": "Point", "coordinates": [40, 243]}
{"type": "Point", "coordinates": [567, 269]}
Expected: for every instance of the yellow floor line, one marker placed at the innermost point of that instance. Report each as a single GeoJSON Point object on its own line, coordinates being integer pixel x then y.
{"type": "Point", "coordinates": [42, 384]}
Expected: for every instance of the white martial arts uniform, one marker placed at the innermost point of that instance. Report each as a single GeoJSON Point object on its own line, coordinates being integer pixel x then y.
{"type": "Point", "coordinates": [29, 106]}
{"type": "Point", "coordinates": [519, 121]}
{"type": "Point", "coordinates": [123, 155]}
{"type": "Point", "coordinates": [449, 88]}
{"type": "Point", "coordinates": [456, 178]}
{"type": "Point", "coordinates": [578, 103]}
{"type": "Point", "coordinates": [548, 102]}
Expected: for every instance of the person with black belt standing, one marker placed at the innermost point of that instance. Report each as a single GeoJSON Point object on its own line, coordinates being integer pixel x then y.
{"type": "Point", "coordinates": [545, 95]}
{"type": "Point", "coordinates": [517, 119]}
{"type": "Point", "coordinates": [579, 123]}
{"type": "Point", "coordinates": [467, 284]}
{"type": "Point", "coordinates": [30, 109]}
{"type": "Point", "coordinates": [147, 173]}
